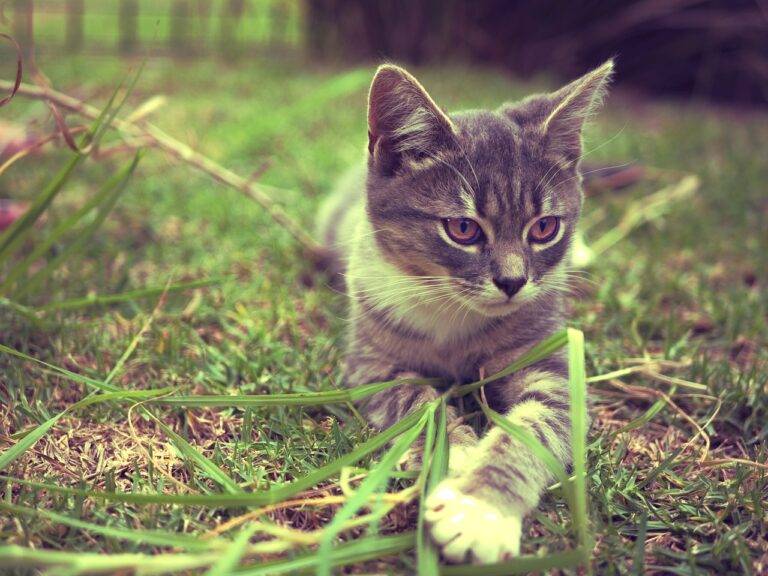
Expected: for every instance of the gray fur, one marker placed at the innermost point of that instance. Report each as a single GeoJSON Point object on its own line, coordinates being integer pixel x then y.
{"type": "Point", "coordinates": [421, 305]}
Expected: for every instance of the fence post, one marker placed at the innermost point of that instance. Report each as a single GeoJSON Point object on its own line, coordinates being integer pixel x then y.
{"type": "Point", "coordinates": [128, 24]}
{"type": "Point", "coordinates": [202, 21]}
{"type": "Point", "coordinates": [230, 18]}
{"type": "Point", "coordinates": [179, 32]}
{"type": "Point", "coordinates": [74, 39]}
{"type": "Point", "coordinates": [278, 25]}
{"type": "Point", "coordinates": [23, 26]}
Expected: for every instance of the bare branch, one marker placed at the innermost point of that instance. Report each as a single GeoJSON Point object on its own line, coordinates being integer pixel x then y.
{"type": "Point", "coordinates": [155, 137]}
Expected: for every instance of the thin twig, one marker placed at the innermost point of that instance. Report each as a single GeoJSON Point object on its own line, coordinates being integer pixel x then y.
{"type": "Point", "coordinates": [392, 498]}
{"type": "Point", "coordinates": [649, 392]}
{"type": "Point", "coordinates": [260, 193]}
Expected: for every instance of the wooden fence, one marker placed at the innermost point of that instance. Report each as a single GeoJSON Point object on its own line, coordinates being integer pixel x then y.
{"type": "Point", "coordinates": [179, 27]}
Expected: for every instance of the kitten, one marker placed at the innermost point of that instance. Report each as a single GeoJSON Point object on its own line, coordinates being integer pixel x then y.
{"type": "Point", "coordinates": [455, 241]}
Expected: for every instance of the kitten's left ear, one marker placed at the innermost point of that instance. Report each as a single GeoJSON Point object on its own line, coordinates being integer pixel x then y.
{"type": "Point", "coordinates": [572, 105]}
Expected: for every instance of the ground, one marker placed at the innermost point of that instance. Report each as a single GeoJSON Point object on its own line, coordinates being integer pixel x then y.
{"type": "Point", "coordinates": [677, 449]}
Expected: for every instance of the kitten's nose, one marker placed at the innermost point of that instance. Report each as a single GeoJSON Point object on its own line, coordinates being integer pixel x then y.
{"type": "Point", "coordinates": [510, 286]}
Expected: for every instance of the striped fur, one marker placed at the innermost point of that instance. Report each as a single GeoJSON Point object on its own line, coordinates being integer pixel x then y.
{"type": "Point", "coordinates": [423, 306]}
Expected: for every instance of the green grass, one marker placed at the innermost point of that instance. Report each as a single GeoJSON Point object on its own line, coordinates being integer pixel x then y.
{"type": "Point", "coordinates": [690, 288]}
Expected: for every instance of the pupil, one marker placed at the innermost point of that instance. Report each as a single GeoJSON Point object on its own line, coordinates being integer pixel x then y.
{"type": "Point", "coordinates": [464, 227]}
{"type": "Point", "coordinates": [542, 225]}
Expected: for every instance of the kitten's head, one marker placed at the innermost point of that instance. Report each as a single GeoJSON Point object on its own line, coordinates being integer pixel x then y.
{"type": "Point", "coordinates": [483, 202]}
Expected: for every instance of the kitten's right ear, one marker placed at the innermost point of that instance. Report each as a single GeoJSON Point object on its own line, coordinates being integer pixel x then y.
{"type": "Point", "coordinates": [404, 123]}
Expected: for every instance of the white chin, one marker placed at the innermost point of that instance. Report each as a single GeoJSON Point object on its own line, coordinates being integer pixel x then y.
{"type": "Point", "coordinates": [495, 309]}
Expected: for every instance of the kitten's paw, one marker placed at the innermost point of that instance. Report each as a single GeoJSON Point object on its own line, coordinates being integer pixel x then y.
{"type": "Point", "coordinates": [465, 527]}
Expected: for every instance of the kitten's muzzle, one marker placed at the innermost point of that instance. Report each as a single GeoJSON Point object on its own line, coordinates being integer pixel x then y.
{"type": "Point", "coordinates": [510, 286]}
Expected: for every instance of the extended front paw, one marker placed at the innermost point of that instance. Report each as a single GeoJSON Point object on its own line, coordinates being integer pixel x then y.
{"type": "Point", "coordinates": [465, 527]}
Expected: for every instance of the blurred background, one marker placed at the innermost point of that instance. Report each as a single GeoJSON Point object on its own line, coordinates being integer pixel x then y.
{"type": "Point", "coordinates": [709, 49]}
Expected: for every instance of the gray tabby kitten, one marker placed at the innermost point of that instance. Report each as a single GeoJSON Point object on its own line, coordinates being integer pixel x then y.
{"type": "Point", "coordinates": [455, 243]}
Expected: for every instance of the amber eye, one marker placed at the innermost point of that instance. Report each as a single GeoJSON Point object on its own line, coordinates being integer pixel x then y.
{"type": "Point", "coordinates": [544, 229]}
{"type": "Point", "coordinates": [463, 230]}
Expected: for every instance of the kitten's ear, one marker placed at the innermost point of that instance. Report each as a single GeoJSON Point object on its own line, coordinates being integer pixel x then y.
{"type": "Point", "coordinates": [571, 106]}
{"type": "Point", "coordinates": [560, 116]}
{"type": "Point", "coordinates": [404, 123]}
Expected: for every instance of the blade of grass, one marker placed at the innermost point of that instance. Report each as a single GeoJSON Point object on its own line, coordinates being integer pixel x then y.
{"type": "Point", "coordinates": [376, 478]}
{"type": "Point", "coordinates": [73, 376]}
{"type": "Point", "coordinates": [435, 469]}
{"type": "Point", "coordinates": [88, 301]}
{"type": "Point", "coordinates": [115, 393]}
{"type": "Point", "coordinates": [295, 399]}
{"type": "Point", "coordinates": [16, 233]}
{"type": "Point", "coordinates": [153, 537]}
{"type": "Point", "coordinates": [529, 441]}
{"type": "Point", "coordinates": [520, 565]}
{"type": "Point", "coordinates": [31, 438]}
{"type": "Point", "coordinates": [108, 197]}
{"type": "Point", "coordinates": [354, 552]}
{"type": "Point", "coordinates": [292, 399]}
{"type": "Point", "coordinates": [646, 416]}
{"type": "Point", "coordinates": [191, 453]}
{"type": "Point", "coordinates": [204, 463]}
{"type": "Point", "coordinates": [233, 555]}
{"type": "Point", "coordinates": [56, 234]}
{"type": "Point", "coordinates": [540, 351]}
{"type": "Point", "coordinates": [666, 463]}
{"type": "Point", "coordinates": [578, 402]}
{"type": "Point", "coordinates": [272, 496]}
{"type": "Point", "coordinates": [638, 564]}
{"type": "Point", "coordinates": [97, 563]}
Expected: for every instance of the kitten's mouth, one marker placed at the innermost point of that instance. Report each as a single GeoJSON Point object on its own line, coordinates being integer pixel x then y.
{"type": "Point", "coordinates": [498, 307]}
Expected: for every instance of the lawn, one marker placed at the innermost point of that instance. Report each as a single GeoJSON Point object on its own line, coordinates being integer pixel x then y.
{"type": "Point", "coordinates": [675, 316]}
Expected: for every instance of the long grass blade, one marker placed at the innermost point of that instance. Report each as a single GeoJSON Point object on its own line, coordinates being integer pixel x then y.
{"type": "Point", "coordinates": [520, 565]}
{"type": "Point", "coordinates": [75, 563]}
{"type": "Point", "coordinates": [152, 537]}
{"type": "Point", "coordinates": [292, 399]}
{"type": "Point", "coordinates": [355, 552]}
{"type": "Point", "coordinates": [216, 473]}
{"type": "Point", "coordinates": [233, 555]}
{"type": "Point", "coordinates": [578, 384]}
{"type": "Point", "coordinates": [529, 440]}
{"type": "Point", "coordinates": [377, 477]}
{"type": "Point", "coordinates": [272, 496]}
{"type": "Point", "coordinates": [129, 296]}
{"type": "Point", "coordinates": [540, 351]}
{"type": "Point", "coordinates": [191, 453]}
{"type": "Point", "coordinates": [107, 199]}
{"type": "Point", "coordinates": [435, 468]}
{"type": "Point", "coordinates": [31, 438]}
{"type": "Point", "coordinates": [17, 232]}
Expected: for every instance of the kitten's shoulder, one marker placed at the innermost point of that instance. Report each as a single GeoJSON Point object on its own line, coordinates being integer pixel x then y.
{"type": "Point", "coordinates": [340, 211]}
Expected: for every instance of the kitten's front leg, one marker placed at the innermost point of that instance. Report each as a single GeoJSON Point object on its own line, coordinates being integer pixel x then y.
{"type": "Point", "coordinates": [387, 407]}
{"type": "Point", "coordinates": [478, 513]}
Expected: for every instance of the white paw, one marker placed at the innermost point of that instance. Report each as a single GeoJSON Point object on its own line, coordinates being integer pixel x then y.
{"type": "Point", "coordinates": [465, 527]}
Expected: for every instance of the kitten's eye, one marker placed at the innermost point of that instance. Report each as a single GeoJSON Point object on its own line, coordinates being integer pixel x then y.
{"type": "Point", "coordinates": [544, 229]}
{"type": "Point", "coordinates": [463, 230]}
